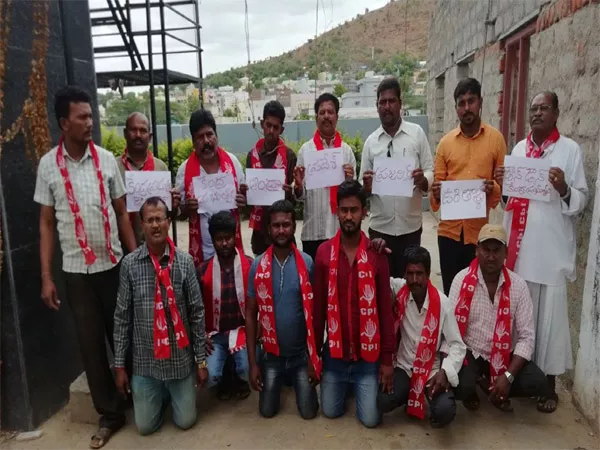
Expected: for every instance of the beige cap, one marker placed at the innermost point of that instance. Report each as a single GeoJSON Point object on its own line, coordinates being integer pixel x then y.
{"type": "Point", "coordinates": [492, 232]}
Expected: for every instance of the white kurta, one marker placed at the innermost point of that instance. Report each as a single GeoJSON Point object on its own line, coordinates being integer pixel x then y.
{"type": "Point", "coordinates": [547, 255]}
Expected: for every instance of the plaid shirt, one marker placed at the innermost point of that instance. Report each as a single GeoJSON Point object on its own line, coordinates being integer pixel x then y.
{"type": "Point", "coordinates": [482, 317]}
{"type": "Point", "coordinates": [134, 316]}
{"type": "Point", "coordinates": [231, 316]}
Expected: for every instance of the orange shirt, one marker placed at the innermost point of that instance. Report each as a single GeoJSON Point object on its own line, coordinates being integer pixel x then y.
{"type": "Point", "coordinates": [459, 157]}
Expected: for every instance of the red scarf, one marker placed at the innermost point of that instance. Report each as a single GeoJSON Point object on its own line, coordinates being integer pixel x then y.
{"type": "Point", "coordinates": [500, 354]}
{"type": "Point", "coordinates": [337, 142]}
{"type": "Point", "coordinates": [148, 166]}
{"type": "Point", "coordinates": [426, 350]}
{"type": "Point", "coordinates": [266, 311]}
{"type": "Point", "coordinates": [256, 214]}
{"type": "Point", "coordinates": [80, 234]}
{"type": "Point", "coordinates": [192, 169]}
{"type": "Point", "coordinates": [367, 303]}
{"type": "Point", "coordinates": [211, 294]}
{"type": "Point", "coordinates": [520, 206]}
{"type": "Point", "coordinates": [162, 349]}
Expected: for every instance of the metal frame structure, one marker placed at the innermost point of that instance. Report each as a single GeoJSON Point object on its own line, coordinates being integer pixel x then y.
{"type": "Point", "coordinates": [118, 14]}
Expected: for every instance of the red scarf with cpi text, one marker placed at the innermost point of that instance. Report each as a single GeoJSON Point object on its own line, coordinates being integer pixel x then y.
{"type": "Point", "coordinates": [212, 292]}
{"type": "Point", "coordinates": [256, 213]}
{"type": "Point", "coordinates": [426, 350]}
{"type": "Point", "coordinates": [80, 234]}
{"type": "Point", "coordinates": [501, 345]}
{"type": "Point", "coordinates": [337, 142]}
{"type": "Point", "coordinates": [148, 167]}
{"type": "Point", "coordinates": [192, 169]}
{"type": "Point", "coordinates": [263, 282]}
{"type": "Point", "coordinates": [520, 206]}
{"type": "Point", "coordinates": [162, 349]}
{"type": "Point", "coordinates": [367, 303]}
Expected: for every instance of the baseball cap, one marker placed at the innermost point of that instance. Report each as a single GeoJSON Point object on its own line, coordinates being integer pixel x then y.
{"type": "Point", "coordinates": [492, 232]}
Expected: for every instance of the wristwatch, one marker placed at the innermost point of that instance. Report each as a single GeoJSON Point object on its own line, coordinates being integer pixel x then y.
{"type": "Point", "coordinates": [202, 364]}
{"type": "Point", "coordinates": [509, 376]}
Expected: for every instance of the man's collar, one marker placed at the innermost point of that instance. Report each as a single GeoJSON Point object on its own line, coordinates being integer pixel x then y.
{"type": "Point", "coordinates": [86, 154]}
{"type": "Point", "coordinates": [425, 303]}
{"type": "Point", "coordinates": [482, 281]}
{"type": "Point", "coordinates": [402, 129]}
{"type": "Point", "coordinates": [145, 252]}
{"type": "Point", "coordinates": [136, 164]}
{"type": "Point", "coordinates": [458, 131]}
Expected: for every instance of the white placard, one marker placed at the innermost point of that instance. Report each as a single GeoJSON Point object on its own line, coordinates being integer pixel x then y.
{"type": "Point", "coordinates": [393, 176]}
{"type": "Point", "coordinates": [463, 200]}
{"type": "Point", "coordinates": [141, 185]}
{"type": "Point", "coordinates": [324, 168]}
{"type": "Point", "coordinates": [265, 186]}
{"type": "Point", "coordinates": [215, 192]}
{"type": "Point", "coordinates": [526, 178]}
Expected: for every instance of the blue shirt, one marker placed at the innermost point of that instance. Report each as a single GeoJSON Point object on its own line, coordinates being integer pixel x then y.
{"type": "Point", "coordinates": [287, 299]}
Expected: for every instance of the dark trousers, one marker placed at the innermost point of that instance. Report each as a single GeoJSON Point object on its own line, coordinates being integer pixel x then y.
{"type": "Point", "coordinates": [398, 244]}
{"type": "Point", "coordinates": [92, 299]}
{"type": "Point", "coordinates": [454, 257]}
{"type": "Point", "coordinates": [529, 382]}
{"type": "Point", "coordinates": [311, 247]}
{"type": "Point", "coordinates": [442, 408]}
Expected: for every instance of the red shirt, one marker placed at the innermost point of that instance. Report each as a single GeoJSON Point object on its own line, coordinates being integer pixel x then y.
{"type": "Point", "coordinates": [349, 311]}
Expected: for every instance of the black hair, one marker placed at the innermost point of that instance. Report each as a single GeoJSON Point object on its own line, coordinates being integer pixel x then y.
{"type": "Point", "coordinates": [467, 85]}
{"type": "Point", "coordinates": [415, 254]}
{"type": "Point", "coordinates": [153, 201]}
{"type": "Point", "coordinates": [552, 95]}
{"type": "Point", "coordinates": [327, 97]}
{"type": "Point", "coordinates": [63, 99]}
{"type": "Point", "coordinates": [281, 206]}
{"type": "Point", "coordinates": [222, 222]}
{"type": "Point", "coordinates": [387, 84]}
{"type": "Point", "coordinates": [351, 188]}
{"type": "Point", "coordinates": [200, 118]}
{"type": "Point", "coordinates": [274, 109]}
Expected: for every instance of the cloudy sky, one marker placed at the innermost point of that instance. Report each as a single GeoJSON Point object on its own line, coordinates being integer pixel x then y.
{"type": "Point", "coordinates": [276, 26]}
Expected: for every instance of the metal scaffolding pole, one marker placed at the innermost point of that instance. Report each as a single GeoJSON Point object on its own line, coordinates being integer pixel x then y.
{"type": "Point", "coordinates": [151, 80]}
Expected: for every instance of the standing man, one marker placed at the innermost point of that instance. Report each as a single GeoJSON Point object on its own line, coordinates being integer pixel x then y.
{"type": "Point", "coordinates": [280, 296]}
{"type": "Point", "coordinates": [270, 152]}
{"type": "Point", "coordinates": [431, 350]}
{"type": "Point", "coordinates": [472, 151]}
{"type": "Point", "coordinates": [207, 158]}
{"type": "Point", "coordinates": [352, 296]}
{"type": "Point", "coordinates": [320, 205]}
{"type": "Point", "coordinates": [168, 348]}
{"type": "Point", "coordinates": [542, 241]}
{"type": "Point", "coordinates": [81, 193]}
{"type": "Point", "coordinates": [224, 282]}
{"type": "Point", "coordinates": [397, 220]}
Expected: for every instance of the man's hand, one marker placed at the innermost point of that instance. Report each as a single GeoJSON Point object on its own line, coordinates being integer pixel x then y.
{"type": "Point", "coordinates": [436, 190]}
{"type": "Point", "coordinates": [488, 187]}
{"type": "Point", "coordinates": [386, 378]}
{"type": "Point", "coordinates": [368, 180]}
{"type": "Point", "coordinates": [420, 180]}
{"type": "Point", "coordinates": [348, 171]}
{"type": "Point", "coordinates": [499, 175]}
{"type": "Point", "coordinates": [49, 294]}
{"type": "Point", "coordinates": [191, 205]}
{"type": "Point", "coordinates": [500, 390]}
{"type": "Point", "coordinates": [210, 346]}
{"type": "Point", "coordinates": [287, 188]}
{"type": "Point", "coordinates": [557, 178]}
{"type": "Point", "coordinates": [201, 376]}
{"type": "Point", "coordinates": [438, 384]}
{"type": "Point", "coordinates": [312, 374]}
{"type": "Point", "coordinates": [122, 382]}
{"type": "Point", "coordinates": [175, 200]}
{"type": "Point", "coordinates": [379, 246]}
{"type": "Point", "coordinates": [240, 198]}
{"type": "Point", "coordinates": [299, 172]}
{"type": "Point", "coordinates": [255, 377]}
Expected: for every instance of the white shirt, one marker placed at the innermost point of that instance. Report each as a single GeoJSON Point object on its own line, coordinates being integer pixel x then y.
{"type": "Point", "coordinates": [319, 222]}
{"type": "Point", "coordinates": [390, 215]}
{"type": "Point", "coordinates": [410, 332]}
{"type": "Point", "coordinates": [208, 250]}
{"type": "Point", "coordinates": [547, 253]}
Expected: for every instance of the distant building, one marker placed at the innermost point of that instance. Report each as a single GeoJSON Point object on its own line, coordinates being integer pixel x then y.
{"type": "Point", "coordinates": [367, 93]}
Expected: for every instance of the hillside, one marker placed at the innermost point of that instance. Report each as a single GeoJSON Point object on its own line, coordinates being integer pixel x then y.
{"type": "Point", "coordinates": [370, 40]}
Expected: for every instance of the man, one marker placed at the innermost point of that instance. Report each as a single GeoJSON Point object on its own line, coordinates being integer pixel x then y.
{"type": "Point", "coordinates": [207, 158]}
{"type": "Point", "coordinates": [495, 317]}
{"type": "Point", "coordinates": [280, 295]}
{"type": "Point", "coordinates": [542, 242]}
{"type": "Point", "coordinates": [168, 347]}
{"type": "Point", "coordinates": [352, 295]}
{"type": "Point", "coordinates": [472, 151]}
{"type": "Point", "coordinates": [137, 156]}
{"type": "Point", "coordinates": [270, 152]}
{"type": "Point", "coordinates": [425, 320]}
{"type": "Point", "coordinates": [397, 220]}
{"type": "Point", "coordinates": [81, 193]}
{"type": "Point", "coordinates": [224, 282]}
{"type": "Point", "coordinates": [320, 205]}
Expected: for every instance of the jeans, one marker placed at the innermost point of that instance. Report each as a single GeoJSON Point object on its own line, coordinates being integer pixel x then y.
{"type": "Point", "coordinates": [151, 398]}
{"type": "Point", "coordinates": [217, 359]}
{"type": "Point", "coordinates": [274, 369]}
{"type": "Point", "coordinates": [363, 376]}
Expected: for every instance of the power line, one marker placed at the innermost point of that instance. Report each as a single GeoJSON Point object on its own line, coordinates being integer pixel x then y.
{"type": "Point", "coordinates": [248, 72]}
{"type": "Point", "coordinates": [315, 42]}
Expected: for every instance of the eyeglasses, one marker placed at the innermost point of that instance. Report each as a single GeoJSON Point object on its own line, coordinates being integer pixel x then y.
{"type": "Point", "coordinates": [156, 220]}
{"type": "Point", "coordinates": [542, 108]}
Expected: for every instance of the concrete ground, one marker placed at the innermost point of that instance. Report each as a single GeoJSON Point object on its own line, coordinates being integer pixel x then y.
{"type": "Point", "coordinates": [237, 424]}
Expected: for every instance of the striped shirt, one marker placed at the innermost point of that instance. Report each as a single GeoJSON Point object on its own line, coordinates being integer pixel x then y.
{"type": "Point", "coordinates": [50, 191]}
{"type": "Point", "coordinates": [319, 222]}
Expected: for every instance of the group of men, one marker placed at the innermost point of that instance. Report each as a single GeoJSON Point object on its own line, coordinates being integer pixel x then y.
{"type": "Point", "coordinates": [345, 311]}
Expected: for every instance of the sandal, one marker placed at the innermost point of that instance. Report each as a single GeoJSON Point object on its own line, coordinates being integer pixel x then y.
{"type": "Point", "coordinates": [548, 404]}
{"type": "Point", "coordinates": [504, 406]}
{"type": "Point", "coordinates": [241, 389]}
{"type": "Point", "coordinates": [472, 403]}
{"type": "Point", "coordinates": [101, 437]}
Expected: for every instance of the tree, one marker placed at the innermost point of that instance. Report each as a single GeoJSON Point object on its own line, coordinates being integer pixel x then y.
{"type": "Point", "coordinates": [339, 90]}
{"type": "Point", "coordinates": [228, 113]}
{"type": "Point", "coordinates": [302, 116]}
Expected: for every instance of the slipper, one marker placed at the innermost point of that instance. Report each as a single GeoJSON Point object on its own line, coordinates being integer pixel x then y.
{"type": "Point", "coordinates": [471, 403]}
{"type": "Point", "coordinates": [504, 406]}
{"type": "Point", "coordinates": [548, 404]}
{"type": "Point", "coordinates": [101, 437]}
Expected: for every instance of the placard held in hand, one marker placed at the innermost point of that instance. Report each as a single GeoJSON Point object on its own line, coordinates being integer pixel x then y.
{"type": "Point", "coordinates": [215, 192]}
{"type": "Point", "coordinates": [393, 176]}
{"type": "Point", "coordinates": [141, 185]}
{"type": "Point", "coordinates": [324, 168]}
{"type": "Point", "coordinates": [265, 186]}
{"type": "Point", "coordinates": [463, 200]}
